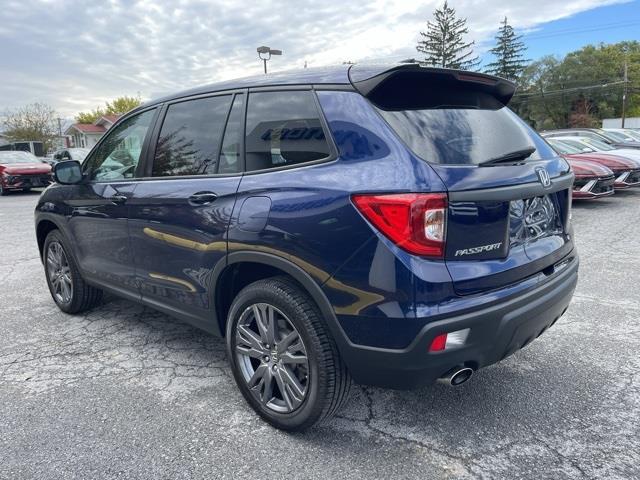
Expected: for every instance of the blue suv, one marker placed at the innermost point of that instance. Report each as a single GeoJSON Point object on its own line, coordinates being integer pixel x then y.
{"type": "Point", "coordinates": [385, 225]}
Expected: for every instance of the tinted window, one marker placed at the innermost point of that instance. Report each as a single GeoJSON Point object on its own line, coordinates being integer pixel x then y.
{"type": "Point", "coordinates": [230, 153]}
{"type": "Point", "coordinates": [119, 153]}
{"type": "Point", "coordinates": [464, 136]}
{"type": "Point", "coordinates": [190, 137]}
{"type": "Point", "coordinates": [283, 128]}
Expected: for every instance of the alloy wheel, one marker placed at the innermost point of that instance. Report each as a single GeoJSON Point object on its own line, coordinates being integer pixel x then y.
{"type": "Point", "coordinates": [59, 273]}
{"type": "Point", "coordinates": [272, 358]}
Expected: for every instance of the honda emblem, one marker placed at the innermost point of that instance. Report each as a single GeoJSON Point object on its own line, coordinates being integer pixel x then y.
{"type": "Point", "coordinates": [544, 177]}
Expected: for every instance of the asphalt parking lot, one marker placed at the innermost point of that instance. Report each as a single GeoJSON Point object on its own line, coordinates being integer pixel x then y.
{"type": "Point", "coordinates": [126, 392]}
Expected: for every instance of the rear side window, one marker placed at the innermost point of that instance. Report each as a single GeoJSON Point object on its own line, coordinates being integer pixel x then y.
{"type": "Point", "coordinates": [283, 128]}
{"type": "Point", "coordinates": [190, 138]}
{"type": "Point", "coordinates": [464, 136]}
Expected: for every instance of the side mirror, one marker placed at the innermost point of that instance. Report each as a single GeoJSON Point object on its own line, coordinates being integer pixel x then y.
{"type": "Point", "coordinates": [67, 172]}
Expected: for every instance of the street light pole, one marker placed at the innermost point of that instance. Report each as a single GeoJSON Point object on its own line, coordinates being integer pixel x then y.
{"type": "Point", "coordinates": [264, 53]}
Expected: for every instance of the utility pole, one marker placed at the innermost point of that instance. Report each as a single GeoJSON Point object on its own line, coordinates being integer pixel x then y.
{"type": "Point", "coordinates": [625, 92]}
{"type": "Point", "coordinates": [60, 141]}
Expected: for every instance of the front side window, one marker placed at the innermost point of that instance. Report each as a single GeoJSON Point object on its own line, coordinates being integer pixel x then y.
{"type": "Point", "coordinates": [190, 137]}
{"type": "Point", "coordinates": [118, 155]}
{"type": "Point", "coordinates": [283, 128]}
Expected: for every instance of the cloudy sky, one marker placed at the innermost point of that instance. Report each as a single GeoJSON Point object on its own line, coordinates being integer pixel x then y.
{"type": "Point", "coordinates": [75, 55]}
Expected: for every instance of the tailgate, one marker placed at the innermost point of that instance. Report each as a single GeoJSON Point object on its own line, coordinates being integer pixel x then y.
{"type": "Point", "coordinates": [499, 236]}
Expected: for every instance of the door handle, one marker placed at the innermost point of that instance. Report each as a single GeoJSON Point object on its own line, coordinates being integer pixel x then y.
{"type": "Point", "coordinates": [202, 198]}
{"type": "Point", "coordinates": [118, 199]}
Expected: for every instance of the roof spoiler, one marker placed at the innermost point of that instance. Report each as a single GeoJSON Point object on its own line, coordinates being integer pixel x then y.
{"type": "Point", "coordinates": [412, 87]}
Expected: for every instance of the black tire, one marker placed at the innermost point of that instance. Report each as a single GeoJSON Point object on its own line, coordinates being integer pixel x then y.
{"type": "Point", "coordinates": [82, 295]}
{"type": "Point", "coordinates": [2, 191]}
{"type": "Point", "coordinates": [327, 382]}
{"type": "Point", "coordinates": [26, 190]}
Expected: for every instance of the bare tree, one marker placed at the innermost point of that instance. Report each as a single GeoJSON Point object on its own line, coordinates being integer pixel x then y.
{"type": "Point", "coordinates": [34, 122]}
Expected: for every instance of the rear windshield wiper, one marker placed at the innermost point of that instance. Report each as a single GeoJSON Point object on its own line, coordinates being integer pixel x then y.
{"type": "Point", "coordinates": [514, 156]}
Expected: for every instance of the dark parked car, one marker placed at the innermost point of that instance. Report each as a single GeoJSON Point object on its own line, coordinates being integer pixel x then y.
{"type": "Point", "coordinates": [390, 225]}
{"type": "Point", "coordinates": [78, 154]}
{"type": "Point", "coordinates": [22, 171]}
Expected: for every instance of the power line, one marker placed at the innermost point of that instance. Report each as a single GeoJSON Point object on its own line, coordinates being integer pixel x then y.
{"type": "Point", "coordinates": [571, 31]}
{"type": "Point", "coordinates": [569, 90]}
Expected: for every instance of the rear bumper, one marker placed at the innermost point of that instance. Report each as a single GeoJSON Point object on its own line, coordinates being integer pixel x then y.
{"type": "Point", "coordinates": [495, 332]}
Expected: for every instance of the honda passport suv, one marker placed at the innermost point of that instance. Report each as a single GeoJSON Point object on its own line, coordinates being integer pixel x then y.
{"type": "Point", "coordinates": [386, 226]}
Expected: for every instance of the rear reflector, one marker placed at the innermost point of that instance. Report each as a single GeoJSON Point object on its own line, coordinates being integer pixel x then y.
{"type": "Point", "coordinates": [415, 222]}
{"type": "Point", "coordinates": [439, 343]}
{"type": "Point", "coordinates": [449, 340]}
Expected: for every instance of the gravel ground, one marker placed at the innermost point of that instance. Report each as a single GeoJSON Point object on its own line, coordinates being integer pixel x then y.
{"type": "Point", "coordinates": [126, 392]}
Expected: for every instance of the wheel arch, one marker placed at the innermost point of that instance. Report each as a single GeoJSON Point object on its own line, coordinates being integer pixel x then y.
{"type": "Point", "coordinates": [270, 265]}
{"type": "Point", "coordinates": [43, 228]}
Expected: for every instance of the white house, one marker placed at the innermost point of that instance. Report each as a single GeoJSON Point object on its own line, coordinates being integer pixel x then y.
{"type": "Point", "coordinates": [86, 135]}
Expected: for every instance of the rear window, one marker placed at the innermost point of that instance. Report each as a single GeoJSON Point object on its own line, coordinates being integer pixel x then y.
{"type": "Point", "coordinates": [464, 136]}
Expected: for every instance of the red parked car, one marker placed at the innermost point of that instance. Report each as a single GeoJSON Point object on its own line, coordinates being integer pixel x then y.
{"type": "Point", "coordinates": [22, 171]}
{"type": "Point", "coordinates": [593, 180]}
{"type": "Point", "coordinates": [626, 170]}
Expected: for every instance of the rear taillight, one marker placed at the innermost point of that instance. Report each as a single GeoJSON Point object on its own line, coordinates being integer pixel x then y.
{"type": "Point", "coordinates": [416, 222]}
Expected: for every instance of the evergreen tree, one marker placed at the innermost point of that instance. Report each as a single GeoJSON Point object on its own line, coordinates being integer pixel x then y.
{"type": "Point", "coordinates": [510, 61]}
{"type": "Point", "coordinates": [443, 44]}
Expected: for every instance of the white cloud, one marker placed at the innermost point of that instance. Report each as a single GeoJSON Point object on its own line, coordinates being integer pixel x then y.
{"type": "Point", "coordinates": [75, 55]}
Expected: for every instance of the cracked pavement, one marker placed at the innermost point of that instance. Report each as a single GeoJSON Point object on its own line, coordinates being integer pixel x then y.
{"type": "Point", "coordinates": [126, 392]}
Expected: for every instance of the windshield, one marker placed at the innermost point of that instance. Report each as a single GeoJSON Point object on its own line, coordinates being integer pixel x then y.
{"type": "Point", "coordinates": [577, 142]}
{"type": "Point", "coordinates": [79, 153]}
{"type": "Point", "coordinates": [562, 147]}
{"type": "Point", "coordinates": [9, 158]}
{"type": "Point", "coordinates": [633, 134]}
{"type": "Point", "coordinates": [597, 144]}
{"type": "Point", "coordinates": [619, 136]}
{"type": "Point", "coordinates": [464, 136]}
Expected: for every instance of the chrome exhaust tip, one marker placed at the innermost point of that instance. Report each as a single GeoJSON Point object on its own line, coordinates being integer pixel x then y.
{"type": "Point", "coordinates": [456, 376]}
